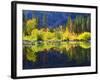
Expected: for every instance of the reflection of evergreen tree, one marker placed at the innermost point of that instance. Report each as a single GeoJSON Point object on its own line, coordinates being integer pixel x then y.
{"type": "Point", "coordinates": [81, 55]}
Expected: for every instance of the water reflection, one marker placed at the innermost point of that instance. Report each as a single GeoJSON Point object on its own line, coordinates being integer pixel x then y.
{"type": "Point", "coordinates": [56, 54]}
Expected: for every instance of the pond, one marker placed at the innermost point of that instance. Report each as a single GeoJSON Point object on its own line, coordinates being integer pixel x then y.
{"type": "Point", "coordinates": [56, 54]}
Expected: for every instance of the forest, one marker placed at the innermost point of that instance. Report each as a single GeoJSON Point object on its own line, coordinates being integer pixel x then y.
{"type": "Point", "coordinates": [74, 30]}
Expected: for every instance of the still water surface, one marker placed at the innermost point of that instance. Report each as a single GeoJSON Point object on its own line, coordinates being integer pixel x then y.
{"type": "Point", "coordinates": [58, 54]}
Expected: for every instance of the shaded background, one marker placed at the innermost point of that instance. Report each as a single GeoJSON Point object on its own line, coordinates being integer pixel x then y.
{"type": "Point", "coordinates": [53, 19]}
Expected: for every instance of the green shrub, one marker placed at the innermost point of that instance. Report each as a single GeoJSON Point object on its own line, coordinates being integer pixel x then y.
{"type": "Point", "coordinates": [85, 36]}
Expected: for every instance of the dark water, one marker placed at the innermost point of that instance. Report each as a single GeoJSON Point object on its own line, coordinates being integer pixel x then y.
{"type": "Point", "coordinates": [54, 55]}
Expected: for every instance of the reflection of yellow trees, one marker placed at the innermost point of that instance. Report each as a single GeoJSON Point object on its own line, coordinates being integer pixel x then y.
{"type": "Point", "coordinates": [85, 45]}
{"type": "Point", "coordinates": [31, 57]}
{"type": "Point", "coordinates": [30, 54]}
{"type": "Point", "coordinates": [75, 50]}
